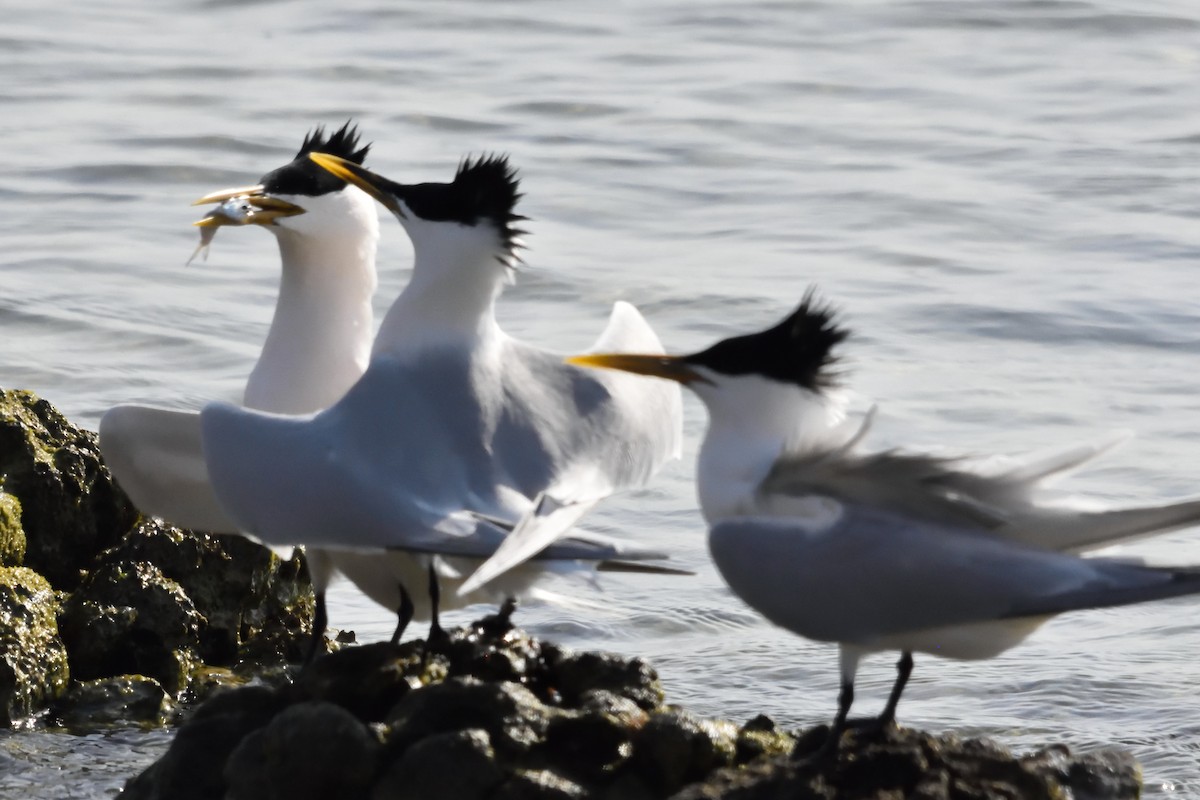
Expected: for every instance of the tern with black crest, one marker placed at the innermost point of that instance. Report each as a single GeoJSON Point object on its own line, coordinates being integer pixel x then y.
{"type": "Point", "coordinates": [886, 550]}
{"type": "Point", "coordinates": [459, 443]}
{"type": "Point", "coordinates": [317, 346]}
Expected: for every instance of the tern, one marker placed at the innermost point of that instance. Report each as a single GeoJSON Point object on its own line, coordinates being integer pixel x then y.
{"type": "Point", "coordinates": [316, 348]}
{"type": "Point", "coordinates": [459, 443]}
{"type": "Point", "coordinates": [886, 550]}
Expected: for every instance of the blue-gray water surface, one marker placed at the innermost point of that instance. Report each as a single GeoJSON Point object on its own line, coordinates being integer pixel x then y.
{"type": "Point", "coordinates": [1001, 196]}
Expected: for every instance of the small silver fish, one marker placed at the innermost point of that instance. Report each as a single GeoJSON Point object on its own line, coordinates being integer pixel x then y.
{"type": "Point", "coordinates": [234, 211]}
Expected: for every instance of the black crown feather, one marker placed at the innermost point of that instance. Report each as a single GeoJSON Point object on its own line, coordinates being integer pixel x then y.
{"type": "Point", "coordinates": [303, 177]}
{"type": "Point", "coordinates": [485, 189]}
{"type": "Point", "coordinates": [340, 143]}
{"type": "Point", "coordinates": [798, 350]}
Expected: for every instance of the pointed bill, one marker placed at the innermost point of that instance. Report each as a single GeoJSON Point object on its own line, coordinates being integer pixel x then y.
{"type": "Point", "coordinates": [363, 178]}
{"type": "Point", "coordinates": [672, 368]}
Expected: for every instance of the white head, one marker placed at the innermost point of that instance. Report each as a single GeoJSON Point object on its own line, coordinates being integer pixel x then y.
{"type": "Point", "coordinates": [465, 227]}
{"type": "Point", "coordinates": [315, 216]}
{"type": "Point", "coordinates": [766, 392]}
{"type": "Point", "coordinates": [769, 384]}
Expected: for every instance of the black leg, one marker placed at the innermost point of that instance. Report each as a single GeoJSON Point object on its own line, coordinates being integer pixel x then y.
{"type": "Point", "coordinates": [828, 750]}
{"type": "Point", "coordinates": [904, 668]}
{"type": "Point", "coordinates": [320, 623]}
{"type": "Point", "coordinates": [436, 635]}
{"type": "Point", "coordinates": [507, 609]}
{"type": "Point", "coordinates": [435, 600]}
{"type": "Point", "coordinates": [404, 615]}
{"type": "Point", "coordinates": [845, 700]}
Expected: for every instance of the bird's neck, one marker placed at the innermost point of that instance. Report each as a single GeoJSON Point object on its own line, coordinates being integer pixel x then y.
{"type": "Point", "coordinates": [320, 336]}
{"type": "Point", "coordinates": [450, 299]}
{"type": "Point", "coordinates": [750, 427]}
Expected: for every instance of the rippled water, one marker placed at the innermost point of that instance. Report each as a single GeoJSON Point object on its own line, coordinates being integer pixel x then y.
{"type": "Point", "coordinates": [1001, 196]}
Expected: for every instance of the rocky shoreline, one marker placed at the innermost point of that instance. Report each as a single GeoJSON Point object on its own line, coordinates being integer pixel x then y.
{"type": "Point", "coordinates": [107, 619]}
{"type": "Point", "coordinates": [105, 616]}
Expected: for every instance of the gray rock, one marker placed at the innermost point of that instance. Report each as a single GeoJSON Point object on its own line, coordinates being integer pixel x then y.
{"type": "Point", "coordinates": [310, 750]}
{"type": "Point", "coordinates": [448, 766]}
{"type": "Point", "coordinates": [33, 661]}
{"type": "Point", "coordinates": [112, 701]}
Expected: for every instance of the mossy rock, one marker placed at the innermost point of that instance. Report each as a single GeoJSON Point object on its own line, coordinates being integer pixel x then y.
{"type": "Point", "coordinates": [256, 606]}
{"type": "Point", "coordinates": [70, 507]}
{"type": "Point", "coordinates": [33, 660]}
{"type": "Point", "coordinates": [12, 535]}
{"type": "Point", "coordinates": [127, 618]}
{"type": "Point", "coordinates": [107, 702]}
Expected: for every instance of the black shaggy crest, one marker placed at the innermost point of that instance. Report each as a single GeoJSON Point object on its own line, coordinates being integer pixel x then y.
{"type": "Point", "coordinates": [798, 350]}
{"type": "Point", "coordinates": [484, 190]}
{"type": "Point", "coordinates": [303, 177]}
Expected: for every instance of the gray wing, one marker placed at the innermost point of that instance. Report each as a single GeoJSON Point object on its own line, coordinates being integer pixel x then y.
{"type": "Point", "coordinates": [861, 574]}
{"type": "Point", "coordinates": [924, 486]}
{"type": "Point", "coordinates": [474, 537]}
{"type": "Point", "coordinates": [573, 436]}
{"type": "Point", "coordinates": [1001, 498]}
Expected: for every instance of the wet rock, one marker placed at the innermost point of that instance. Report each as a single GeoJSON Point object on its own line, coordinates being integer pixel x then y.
{"type": "Point", "coordinates": [310, 750]}
{"type": "Point", "coordinates": [111, 701]}
{"type": "Point", "coordinates": [127, 618]}
{"type": "Point", "coordinates": [542, 784]}
{"type": "Point", "coordinates": [578, 673]}
{"type": "Point", "coordinates": [1107, 775]}
{"type": "Point", "coordinates": [70, 508]}
{"type": "Point", "coordinates": [380, 722]}
{"type": "Point", "coordinates": [515, 720]}
{"type": "Point", "coordinates": [675, 748]}
{"type": "Point", "coordinates": [33, 661]}
{"type": "Point", "coordinates": [594, 742]}
{"type": "Point", "coordinates": [367, 681]}
{"type": "Point", "coordinates": [448, 766]}
{"type": "Point", "coordinates": [255, 605]}
{"type": "Point", "coordinates": [12, 535]}
{"type": "Point", "coordinates": [911, 764]}
{"type": "Point", "coordinates": [761, 737]}
{"type": "Point", "coordinates": [193, 766]}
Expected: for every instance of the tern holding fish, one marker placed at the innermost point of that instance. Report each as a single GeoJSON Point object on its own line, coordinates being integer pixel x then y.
{"type": "Point", "coordinates": [460, 443]}
{"type": "Point", "coordinates": [316, 348]}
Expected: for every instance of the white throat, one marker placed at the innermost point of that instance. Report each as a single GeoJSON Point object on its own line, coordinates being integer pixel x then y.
{"type": "Point", "coordinates": [320, 337]}
{"type": "Point", "coordinates": [450, 300]}
{"type": "Point", "coordinates": [752, 421]}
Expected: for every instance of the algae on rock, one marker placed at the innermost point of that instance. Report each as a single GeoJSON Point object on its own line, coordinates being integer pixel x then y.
{"type": "Point", "coordinates": [70, 507]}
{"type": "Point", "coordinates": [33, 661]}
{"type": "Point", "coordinates": [12, 535]}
